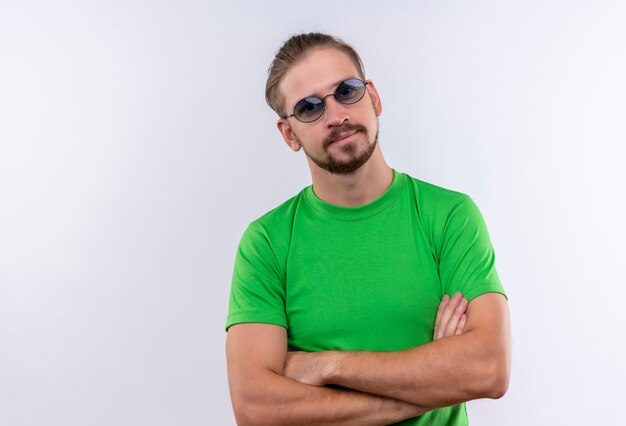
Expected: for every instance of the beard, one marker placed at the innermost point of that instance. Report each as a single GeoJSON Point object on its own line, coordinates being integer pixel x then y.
{"type": "Point", "coordinates": [356, 159]}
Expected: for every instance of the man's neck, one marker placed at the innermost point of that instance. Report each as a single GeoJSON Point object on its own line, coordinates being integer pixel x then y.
{"type": "Point", "coordinates": [363, 186]}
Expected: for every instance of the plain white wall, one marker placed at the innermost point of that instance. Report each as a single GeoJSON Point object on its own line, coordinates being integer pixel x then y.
{"type": "Point", "coordinates": [135, 146]}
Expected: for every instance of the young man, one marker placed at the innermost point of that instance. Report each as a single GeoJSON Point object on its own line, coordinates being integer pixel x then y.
{"type": "Point", "coordinates": [346, 302]}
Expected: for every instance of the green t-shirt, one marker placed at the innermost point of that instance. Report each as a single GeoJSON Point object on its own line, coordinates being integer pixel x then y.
{"type": "Point", "coordinates": [364, 278]}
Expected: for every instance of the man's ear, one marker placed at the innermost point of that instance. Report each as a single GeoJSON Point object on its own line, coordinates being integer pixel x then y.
{"type": "Point", "coordinates": [287, 133]}
{"type": "Point", "coordinates": [376, 102]}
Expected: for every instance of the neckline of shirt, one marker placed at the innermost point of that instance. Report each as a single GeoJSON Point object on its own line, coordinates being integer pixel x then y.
{"type": "Point", "coordinates": [358, 212]}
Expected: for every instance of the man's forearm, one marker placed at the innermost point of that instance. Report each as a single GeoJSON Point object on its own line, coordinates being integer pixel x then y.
{"type": "Point", "coordinates": [441, 373]}
{"type": "Point", "coordinates": [474, 364]}
{"type": "Point", "coordinates": [282, 401]}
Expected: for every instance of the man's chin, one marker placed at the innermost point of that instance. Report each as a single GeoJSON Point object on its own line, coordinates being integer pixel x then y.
{"type": "Point", "coordinates": [348, 165]}
{"type": "Point", "coordinates": [343, 167]}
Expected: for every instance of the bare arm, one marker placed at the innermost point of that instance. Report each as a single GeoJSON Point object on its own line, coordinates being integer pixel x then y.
{"type": "Point", "coordinates": [474, 364]}
{"type": "Point", "coordinates": [261, 395]}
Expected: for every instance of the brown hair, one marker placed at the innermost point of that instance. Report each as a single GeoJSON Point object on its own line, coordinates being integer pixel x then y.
{"type": "Point", "coordinates": [291, 52]}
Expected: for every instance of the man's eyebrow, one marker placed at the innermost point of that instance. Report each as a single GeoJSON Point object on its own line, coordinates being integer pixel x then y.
{"type": "Point", "coordinates": [341, 81]}
{"type": "Point", "coordinates": [331, 86]}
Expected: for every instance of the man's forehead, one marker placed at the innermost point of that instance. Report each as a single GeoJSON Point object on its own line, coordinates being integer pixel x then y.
{"type": "Point", "coordinates": [317, 73]}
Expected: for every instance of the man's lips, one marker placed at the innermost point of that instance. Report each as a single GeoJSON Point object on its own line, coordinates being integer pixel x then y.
{"type": "Point", "coordinates": [342, 137]}
{"type": "Point", "coordinates": [342, 133]}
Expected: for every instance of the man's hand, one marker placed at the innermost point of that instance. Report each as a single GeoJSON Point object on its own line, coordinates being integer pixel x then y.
{"type": "Point", "coordinates": [261, 395]}
{"type": "Point", "coordinates": [451, 316]}
{"type": "Point", "coordinates": [314, 368]}
{"type": "Point", "coordinates": [309, 368]}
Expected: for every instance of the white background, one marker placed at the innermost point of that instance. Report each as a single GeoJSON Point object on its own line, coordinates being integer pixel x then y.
{"type": "Point", "coordinates": [135, 147]}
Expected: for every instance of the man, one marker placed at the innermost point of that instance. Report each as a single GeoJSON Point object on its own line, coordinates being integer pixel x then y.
{"type": "Point", "coordinates": [340, 309]}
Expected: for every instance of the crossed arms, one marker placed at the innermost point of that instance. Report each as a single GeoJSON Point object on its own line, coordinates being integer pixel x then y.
{"type": "Point", "coordinates": [468, 359]}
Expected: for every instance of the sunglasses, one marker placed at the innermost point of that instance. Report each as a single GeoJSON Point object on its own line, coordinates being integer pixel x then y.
{"type": "Point", "coordinates": [348, 92]}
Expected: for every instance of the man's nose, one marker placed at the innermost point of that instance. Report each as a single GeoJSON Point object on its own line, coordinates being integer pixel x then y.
{"type": "Point", "coordinates": [336, 113]}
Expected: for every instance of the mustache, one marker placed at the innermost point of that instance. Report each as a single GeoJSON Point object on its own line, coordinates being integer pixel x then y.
{"type": "Point", "coordinates": [336, 132]}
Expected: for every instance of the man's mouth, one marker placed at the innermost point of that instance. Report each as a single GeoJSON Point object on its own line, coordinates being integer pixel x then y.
{"type": "Point", "coordinates": [342, 137]}
{"type": "Point", "coordinates": [342, 133]}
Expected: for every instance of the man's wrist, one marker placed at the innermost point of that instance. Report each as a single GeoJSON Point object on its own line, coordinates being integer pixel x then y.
{"type": "Point", "coordinates": [331, 366]}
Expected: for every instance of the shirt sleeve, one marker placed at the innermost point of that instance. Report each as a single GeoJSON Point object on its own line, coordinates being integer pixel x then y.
{"type": "Point", "coordinates": [467, 258]}
{"type": "Point", "coordinates": [257, 291]}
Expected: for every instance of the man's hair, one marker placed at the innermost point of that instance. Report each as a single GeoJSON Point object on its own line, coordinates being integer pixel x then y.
{"type": "Point", "coordinates": [293, 50]}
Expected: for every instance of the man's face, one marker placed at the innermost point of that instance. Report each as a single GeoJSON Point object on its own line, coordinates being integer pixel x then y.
{"type": "Point", "coordinates": [345, 136]}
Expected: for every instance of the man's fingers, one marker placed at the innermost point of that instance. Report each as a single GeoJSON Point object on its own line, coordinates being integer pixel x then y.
{"type": "Point", "coordinates": [442, 306]}
{"type": "Point", "coordinates": [459, 310]}
{"type": "Point", "coordinates": [446, 314]}
{"type": "Point", "coordinates": [449, 315]}
{"type": "Point", "coordinates": [461, 325]}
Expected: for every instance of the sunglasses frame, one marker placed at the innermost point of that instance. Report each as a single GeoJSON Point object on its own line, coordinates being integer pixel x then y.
{"type": "Point", "coordinates": [323, 99]}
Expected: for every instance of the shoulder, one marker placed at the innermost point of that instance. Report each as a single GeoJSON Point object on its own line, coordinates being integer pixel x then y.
{"type": "Point", "coordinates": [271, 232]}
{"type": "Point", "coordinates": [279, 219]}
{"type": "Point", "coordinates": [443, 211]}
{"type": "Point", "coordinates": [435, 199]}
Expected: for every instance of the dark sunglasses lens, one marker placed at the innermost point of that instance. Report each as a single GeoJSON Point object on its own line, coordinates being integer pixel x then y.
{"type": "Point", "coordinates": [350, 91]}
{"type": "Point", "coordinates": [308, 109]}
